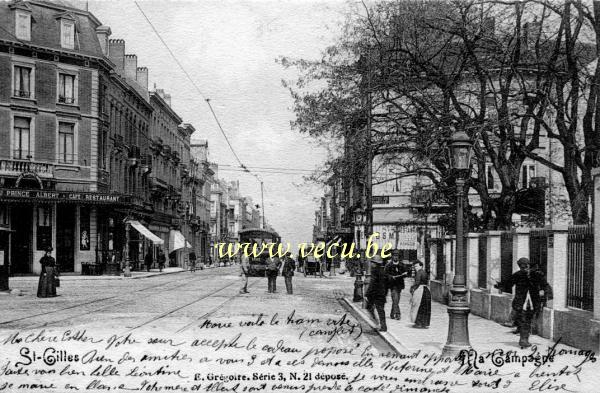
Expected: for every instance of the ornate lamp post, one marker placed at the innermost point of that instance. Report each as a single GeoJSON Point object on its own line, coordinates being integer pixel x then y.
{"type": "Point", "coordinates": [127, 268]}
{"type": "Point", "coordinates": [458, 307]}
{"type": "Point", "coordinates": [358, 273]}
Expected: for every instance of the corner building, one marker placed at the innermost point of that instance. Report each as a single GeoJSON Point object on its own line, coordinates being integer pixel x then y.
{"type": "Point", "coordinates": [51, 104]}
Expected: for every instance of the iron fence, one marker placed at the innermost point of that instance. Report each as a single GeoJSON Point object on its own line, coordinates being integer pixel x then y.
{"type": "Point", "coordinates": [580, 267]}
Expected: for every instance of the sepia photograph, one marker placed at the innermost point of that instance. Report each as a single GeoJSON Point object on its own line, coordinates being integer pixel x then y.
{"type": "Point", "coordinates": [236, 196]}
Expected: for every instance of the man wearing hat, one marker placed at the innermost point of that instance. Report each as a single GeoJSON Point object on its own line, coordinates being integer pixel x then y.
{"type": "Point", "coordinates": [395, 273]}
{"type": "Point", "coordinates": [527, 301]}
{"type": "Point", "coordinates": [377, 291]}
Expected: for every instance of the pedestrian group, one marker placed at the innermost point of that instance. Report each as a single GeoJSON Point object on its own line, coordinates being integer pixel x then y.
{"type": "Point", "coordinates": [286, 264]}
{"type": "Point", "coordinates": [390, 277]}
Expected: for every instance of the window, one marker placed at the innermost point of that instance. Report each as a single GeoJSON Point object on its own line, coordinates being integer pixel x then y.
{"type": "Point", "coordinates": [3, 215]}
{"type": "Point", "coordinates": [102, 99]}
{"type": "Point", "coordinates": [102, 142]}
{"type": "Point", "coordinates": [23, 26]}
{"type": "Point", "coordinates": [66, 88]}
{"type": "Point", "coordinates": [66, 136]}
{"type": "Point", "coordinates": [490, 177]}
{"type": "Point", "coordinates": [527, 173]}
{"type": "Point", "coordinates": [21, 139]}
{"type": "Point", "coordinates": [44, 227]}
{"type": "Point", "coordinates": [67, 34]}
{"type": "Point", "coordinates": [22, 82]}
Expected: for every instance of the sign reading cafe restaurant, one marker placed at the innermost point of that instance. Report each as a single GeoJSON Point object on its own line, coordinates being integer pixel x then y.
{"type": "Point", "coordinates": [62, 196]}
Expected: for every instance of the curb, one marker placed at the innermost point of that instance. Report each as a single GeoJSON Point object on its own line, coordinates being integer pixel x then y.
{"type": "Point", "coordinates": [97, 278]}
{"type": "Point", "coordinates": [154, 275]}
{"type": "Point", "coordinates": [388, 337]}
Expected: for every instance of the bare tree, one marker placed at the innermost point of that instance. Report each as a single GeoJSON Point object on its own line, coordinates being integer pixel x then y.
{"type": "Point", "coordinates": [498, 70]}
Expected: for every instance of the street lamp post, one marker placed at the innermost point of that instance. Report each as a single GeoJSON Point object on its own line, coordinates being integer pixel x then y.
{"type": "Point", "coordinates": [358, 273]}
{"type": "Point", "coordinates": [127, 269]}
{"type": "Point", "coordinates": [458, 306]}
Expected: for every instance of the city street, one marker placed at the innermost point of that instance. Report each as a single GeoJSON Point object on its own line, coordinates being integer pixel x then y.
{"type": "Point", "coordinates": [427, 174]}
{"type": "Point", "coordinates": [149, 333]}
{"type": "Point", "coordinates": [178, 301]}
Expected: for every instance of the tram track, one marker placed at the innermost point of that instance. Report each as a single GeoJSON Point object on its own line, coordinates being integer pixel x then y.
{"type": "Point", "coordinates": [212, 311]}
{"type": "Point", "coordinates": [179, 283]}
{"type": "Point", "coordinates": [165, 314]}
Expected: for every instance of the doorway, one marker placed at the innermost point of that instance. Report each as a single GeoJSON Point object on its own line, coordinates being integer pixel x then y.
{"type": "Point", "coordinates": [21, 239]}
{"type": "Point", "coordinates": [65, 237]}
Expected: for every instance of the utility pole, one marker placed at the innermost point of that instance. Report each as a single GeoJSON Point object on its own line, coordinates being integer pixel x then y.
{"type": "Point", "coordinates": [262, 204]}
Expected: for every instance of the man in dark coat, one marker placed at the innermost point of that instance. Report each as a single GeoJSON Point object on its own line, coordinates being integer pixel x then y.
{"type": "Point", "coordinates": [287, 271]}
{"type": "Point", "coordinates": [273, 265]}
{"type": "Point", "coordinates": [377, 291]}
{"type": "Point", "coordinates": [527, 300]}
{"type": "Point", "coordinates": [192, 257]}
{"type": "Point", "coordinates": [395, 272]}
{"type": "Point", "coordinates": [162, 259]}
{"type": "Point", "coordinates": [148, 259]}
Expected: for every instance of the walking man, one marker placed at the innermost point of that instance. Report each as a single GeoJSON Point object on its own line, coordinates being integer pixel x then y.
{"type": "Point", "coordinates": [395, 272]}
{"type": "Point", "coordinates": [192, 261]}
{"type": "Point", "coordinates": [377, 291]}
{"type": "Point", "coordinates": [244, 270]}
{"type": "Point", "coordinates": [273, 266]}
{"type": "Point", "coordinates": [529, 288]}
{"type": "Point", "coordinates": [287, 272]}
{"type": "Point", "coordinates": [148, 259]}
{"type": "Point", "coordinates": [161, 260]}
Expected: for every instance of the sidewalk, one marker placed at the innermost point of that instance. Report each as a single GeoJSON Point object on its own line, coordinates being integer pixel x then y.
{"type": "Point", "coordinates": [78, 276]}
{"type": "Point", "coordinates": [485, 335]}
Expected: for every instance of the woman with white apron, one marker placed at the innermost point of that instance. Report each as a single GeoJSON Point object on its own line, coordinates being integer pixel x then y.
{"type": "Point", "coordinates": [420, 302]}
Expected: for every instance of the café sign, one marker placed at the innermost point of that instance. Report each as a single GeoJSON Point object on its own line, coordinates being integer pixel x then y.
{"type": "Point", "coordinates": [63, 196]}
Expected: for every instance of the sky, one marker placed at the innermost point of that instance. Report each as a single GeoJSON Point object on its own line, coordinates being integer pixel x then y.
{"type": "Point", "coordinates": [230, 48]}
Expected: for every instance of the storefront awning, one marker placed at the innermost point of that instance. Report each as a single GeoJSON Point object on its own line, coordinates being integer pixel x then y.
{"type": "Point", "coordinates": [177, 241]}
{"type": "Point", "coordinates": [146, 233]}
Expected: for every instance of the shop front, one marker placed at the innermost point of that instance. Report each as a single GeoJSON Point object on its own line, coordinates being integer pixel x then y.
{"type": "Point", "coordinates": [65, 221]}
{"type": "Point", "coordinates": [142, 242]}
{"type": "Point", "coordinates": [179, 248]}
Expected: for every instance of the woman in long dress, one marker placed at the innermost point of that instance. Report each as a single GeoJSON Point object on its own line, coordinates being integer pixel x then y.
{"type": "Point", "coordinates": [420, 303]}
{"type": "Point", "coordinates": [46, 285]}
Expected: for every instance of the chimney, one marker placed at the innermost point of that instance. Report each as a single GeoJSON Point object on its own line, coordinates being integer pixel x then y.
{"type": "Point", "coordinates": [116, 53]}
{"type": "Point", "coordinates": [167, 98]}
{"type": "Point", "coordinates": [131, 66]}
{"type": "Point", "coordinates": [103, 32]}
{"type": "Point", "coordinates": [142, 77]}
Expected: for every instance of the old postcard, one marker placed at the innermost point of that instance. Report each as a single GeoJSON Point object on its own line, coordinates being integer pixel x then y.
{"type": "Point", "coordinates": [299, 196]}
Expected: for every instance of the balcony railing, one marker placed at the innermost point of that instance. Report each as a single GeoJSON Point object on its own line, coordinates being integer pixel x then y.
{"type": "Point", "coordinates": [16, 167]}
{"type": "Point", "coordinates": [22, 93]}
{"type": "Point", "coordinates": [157, 184]}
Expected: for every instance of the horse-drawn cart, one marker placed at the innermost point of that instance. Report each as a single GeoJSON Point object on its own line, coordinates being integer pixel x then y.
{"type": "Point", "coordinates": [312, 265]}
